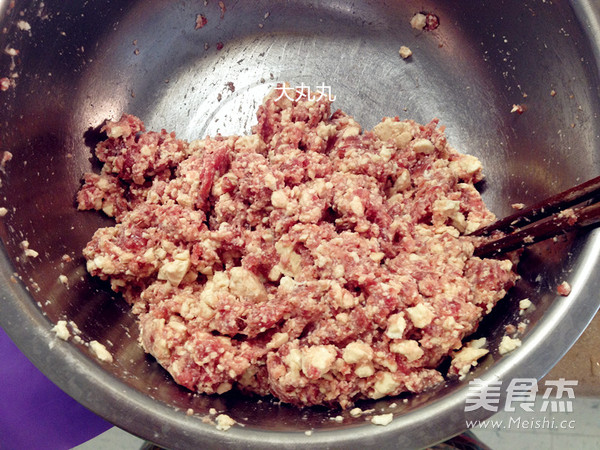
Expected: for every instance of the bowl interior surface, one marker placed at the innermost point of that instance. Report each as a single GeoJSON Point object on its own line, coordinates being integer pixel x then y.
{"type": "Point", "coordinates": [84, 62]}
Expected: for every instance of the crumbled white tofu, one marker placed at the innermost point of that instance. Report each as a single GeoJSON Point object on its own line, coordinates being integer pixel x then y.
{"type": "Point", "coordinates": [278, 340]}
{"type": "Point", "coordinates": [318, 358]}
{"type": "Point", "coordinates": [522, 327]}
{"type": "Point", "coordinates": [466, 358]}
{"type": "Point", "coordinates": [418, 21]}
{"type": "Point", "coordinates": [24, 26]}
{"type": "Point", "coordinates": [525, 304]}
{"type": "Point", "coordinates": [279, 199]}
{"type": "Point", "coordinates": [352, 129]}
{"type": "Point", "coordinates": [420, 315]}
{"type": "Point", "coordinates": [445, 208]}
{"type": "Point", "coordinates": [405, 52]}
{"type": "Point", "coordinates": [382, 419]}
{"type": "Point", "coordinates": [174, 271]}
{"type": "Point", "coordinates": [3, 211]}
{"type": "Point", "coordinates": [63, 279]}
{"type": "Point", "coordinates": [357, 207]}
{"type": "Point", "coordinates": [223, 387]}
{"type": "Point", "coordinates": [29, 252]}
{"type": "Point", "coordinates": [568, 213]}
{"type": "Point", "coordinates": [74, 327]}
{"type": "Point", "coordinates": [61, 330]}
{"type": "Point", "coordinates": [517, 109]}
{"type": "Point", "coordinates": [424, 146]}
{"type": "Point", "coordinates": [508, 344]}
{"type": "Point", "coordinates": [385, 386]}
{"type": "Point", "coordinates": [357, 352]}
{"type": "Point", "coordinates": [355, 412]}
{"type": "Point", "coordinates": [409, 348]}
{"type": "Point", "coordinates": [396, 326]}
{"type": "Point", "coordinates": [100, 351]}
{"type": "Point", "coordinates": [224, 422]}
{"type": "Point", "coordinates": [365, 370]}
{"type": "Point", "coordinates": [244, 284]}
{"type": "Point", "coordinates": [390, 129]}
{"type": "Point", "coordinates": [377, 256]}
{"type": "Point", "coordinates": [478, 343]}
{"type": "Point", "coordinates": [466, 166]}
{"type": "Point", "coordinates": [11, 51]}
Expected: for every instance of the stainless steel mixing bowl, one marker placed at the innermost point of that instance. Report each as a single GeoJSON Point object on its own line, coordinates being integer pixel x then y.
{"type": "Point", "coordinates": [83, 62]}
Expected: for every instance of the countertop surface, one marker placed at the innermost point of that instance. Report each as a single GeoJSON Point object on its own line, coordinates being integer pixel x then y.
{"type": "Point", "coordinates": [582, 362]}
{"type": "Point", "coordinates": [35, 413]}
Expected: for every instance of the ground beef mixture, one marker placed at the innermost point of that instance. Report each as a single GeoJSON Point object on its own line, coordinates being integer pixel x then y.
{"type": "Point", "coordinates": [310, 260]}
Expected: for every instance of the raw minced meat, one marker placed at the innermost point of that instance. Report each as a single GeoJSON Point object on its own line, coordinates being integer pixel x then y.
{"type": "Point", "coordinates": [310, 260]}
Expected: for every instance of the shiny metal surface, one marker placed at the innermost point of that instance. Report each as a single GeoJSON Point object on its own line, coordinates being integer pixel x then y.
{"type": "Point", "coordinates": [82, 62]}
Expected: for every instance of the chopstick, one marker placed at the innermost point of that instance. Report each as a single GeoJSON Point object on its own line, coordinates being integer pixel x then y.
{"type": "Point", "coordinates": [548, 218]}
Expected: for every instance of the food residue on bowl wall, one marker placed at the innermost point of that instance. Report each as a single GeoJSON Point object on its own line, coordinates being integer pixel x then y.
{"type": "Point", "coordinates": [405, 52]}
{"type": "Point", "coordinates": [201, 21]}
{"type": "Point", "coordinates": [508, 344]}
{"type": "Point", "coordinates": [100, 351]}
{"type": "Point", "coordinates": [564, 289]}
{"type": "Point", "coordinates": [382, 419]}
{"type": "Point", "coordinates": [425, 21]}
{"type": "Point", "coordinates": [61, 330]}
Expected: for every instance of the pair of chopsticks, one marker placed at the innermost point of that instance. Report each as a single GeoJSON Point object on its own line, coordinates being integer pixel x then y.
{"type": "Point", "coordinates": [546, 219]}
